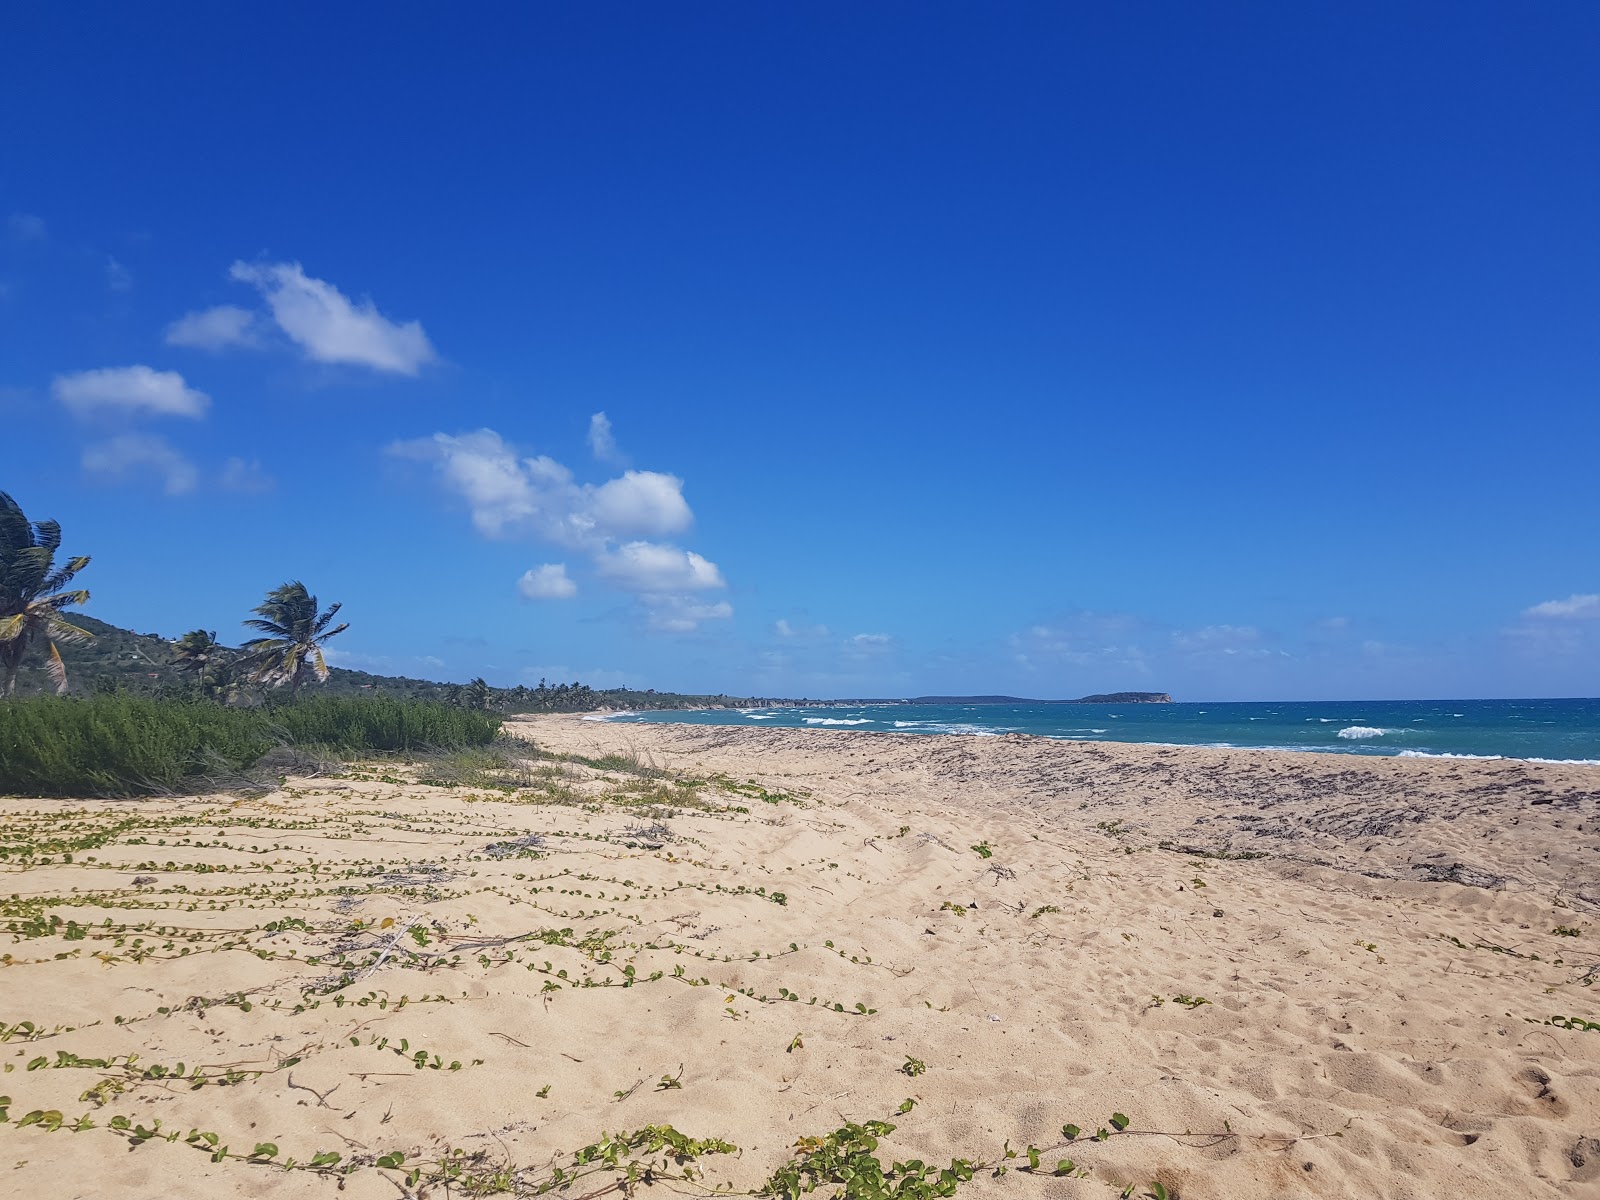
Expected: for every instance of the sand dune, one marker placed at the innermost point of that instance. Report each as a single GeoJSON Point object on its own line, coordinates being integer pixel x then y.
{"type": "Point", "coordinates": [1047, 928]}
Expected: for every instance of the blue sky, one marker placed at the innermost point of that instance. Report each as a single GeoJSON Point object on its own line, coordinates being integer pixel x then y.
{"type": "Point", "coordinates": [1241, 351]}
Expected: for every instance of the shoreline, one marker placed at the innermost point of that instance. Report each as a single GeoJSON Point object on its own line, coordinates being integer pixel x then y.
{"type": "Point", "coordinates": [1356, 750]}
{"type": "Point", "coordinates": [1297, 975]}
{"type": "Point", "coordinates": [1533, 825]}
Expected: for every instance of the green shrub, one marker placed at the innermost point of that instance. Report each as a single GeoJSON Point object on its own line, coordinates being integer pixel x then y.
{"type": "Point", "coordinates": [120, 745]}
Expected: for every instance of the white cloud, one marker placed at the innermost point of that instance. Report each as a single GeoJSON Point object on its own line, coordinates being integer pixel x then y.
{"type": "Point", "coordinates": [651, 567]}
{"type": "Point", "coordinates": [247, 477]}
{"type": "Point", "coordinates": [788, 630]}
{"type": "Point", "coordinates": [1576, 605]}
{"type": "Point", "coordinates": [118, 277]}
{"type": "Point", "coordinates": [134, 454]}
{"type": "Point", "coordinates": [870, 640]}
{"type": "Point", "coordinates": [1084, 639]}
{"type": "Point", "coordinates": [680, 614]}
{"type": "Point", "coordinates": [547, 582]}
{"type": "Point", "coordinates": [214, 328]}
{"type": "Point", "coordinates": [602, 442]}
{"type": "Point", "coordinates": [330, 328]}
{"type": "Point", "coordinates": [641, 502]}
{"type": "Point", "coordinates": [129, 389]}
{"type": "Point", "coordinates": [538, 496]}
{"type": "Point", "coordinates": [483, 470]}
{"type": "Point", "coordinates": [612, 523]}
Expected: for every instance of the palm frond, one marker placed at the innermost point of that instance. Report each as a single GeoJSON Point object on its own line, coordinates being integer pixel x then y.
{"type": "Point", "coordinates": [13, 626]}
{"type": "Point", "coordinates": [325, 618]}
{"type": "Point", "coordinates": [267, 627]}
{"type": "Point", "coordinates": [62, 576]}
{"type": "Point", "coordinates": [61, 600]}
{"type": "Point", "coordinates": [319, 665]}
{"type": "Point", "coordinates": [47, 536]}
{"type": "Point", "coordinates": [331, 632]}
{"type": "Point", "coordinates": [57, 669]}
{"type": "Point", "coordinates": [60, 631]}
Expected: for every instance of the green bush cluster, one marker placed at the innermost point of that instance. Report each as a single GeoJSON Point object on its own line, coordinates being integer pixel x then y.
{"type": "Point", "coordinates": [119, 745]}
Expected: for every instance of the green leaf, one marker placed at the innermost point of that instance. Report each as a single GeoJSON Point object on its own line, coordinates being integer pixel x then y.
{"type": "Point", "coordinates": [325, 1158]}
{"type": "Point", "coordinates": [1070, 1132]}
{"type": "Point", "coordinates": [1119, 1121]}
{"type": "Point", "coordinates": [1159, 1191]}
{"type": "Point", "coordinates": [265, 1150]}
{"type": "Point", "coordinates": [906, 1105]}
{"type": "Point", "coordinates": [1066, 1167]}
{"type": "Point", "coordinates": [392, 1160]}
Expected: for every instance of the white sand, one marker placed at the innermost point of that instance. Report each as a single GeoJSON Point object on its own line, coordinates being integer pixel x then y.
{"type": "Point", "coordinates": [1369, 1030]}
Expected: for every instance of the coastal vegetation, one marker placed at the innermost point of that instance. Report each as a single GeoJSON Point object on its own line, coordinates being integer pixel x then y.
{"type": "Point", "coordinates": [122, 745]}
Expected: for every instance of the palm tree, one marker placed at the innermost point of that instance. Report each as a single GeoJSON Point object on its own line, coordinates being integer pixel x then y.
{"type": "Point", "coordinates": [199, 654]}
{"type": "Point", "coordinates": [476, 694]}
{"type": "Point", "coordinates": [295, 631]}
{"type": "Point", "coordinates": [31, 598]}
{"type": "Point", "coordinates": [196, 650]}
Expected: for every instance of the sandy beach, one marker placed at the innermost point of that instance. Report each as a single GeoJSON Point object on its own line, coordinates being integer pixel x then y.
{"type": "Point", "coordinates": [1293, 974]}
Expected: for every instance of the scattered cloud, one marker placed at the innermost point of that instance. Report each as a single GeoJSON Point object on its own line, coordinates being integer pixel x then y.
{"type": "Point", "coordinates": [865, 641]}
{"type": "Point", "coordinates": [679, 614]}
{"type": "Point", "coordinates": [329, 327]}
{"type": "Point", "coordinates": [134, 455]}
{"type": "Point", "coordinates": [788, 630]}
{"type": "Point", "coordinates": [653, 567]}
{"type": "Point", "coordinates": [118, 277]}
{"type": "Point", "coordinates": [602, 441]}
{"type": "Point", "coordinates": [1114, 641]}
{"type": "Point", "coordinates": [547, 582]}
{"type": "Point", "coordinates": [250, 478]}
{"type": "Point", "coordinates": [640, 502]}
{"type": "Point", "coordinates": [1220, 639]}
{"type": "Point", "coordinates": [214, 328]}
{"type": "Point", "coordinates": [132, 390]}
{"type": "Point", "coordinates": [512, 496]}
{"type": "Point", "coordinates": [25, 227]}
{"type": "Point", "coordinates": [615, 524]}
{"type": "Point", "coordinates": [1577, 605]}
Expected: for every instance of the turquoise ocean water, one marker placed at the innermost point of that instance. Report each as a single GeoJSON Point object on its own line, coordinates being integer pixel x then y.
{"type": "Point", "coordinates": [1549, 730]}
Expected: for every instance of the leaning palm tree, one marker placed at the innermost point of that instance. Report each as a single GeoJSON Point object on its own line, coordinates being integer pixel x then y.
{"type": "Point", "coordinates": [205, 660]}
{"type": "Point", "coordinates": [290, 652]}
{"type": "Point", "coordinates": [195, 651]}
{"type": "Point", "coordinates": [31, 599]}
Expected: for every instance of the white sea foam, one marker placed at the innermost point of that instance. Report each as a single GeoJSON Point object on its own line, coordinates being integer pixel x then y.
{"type": "Point", "coordinates": [1361, 731]}
{"type": "Point", "coordinates": [838, 721]}
{"type": "Point", "coordinates": [957, 727]}
{"type": "Point", "coordinates": [615, 716]}
{"type": "Point", "coordinates": [1443, 754]}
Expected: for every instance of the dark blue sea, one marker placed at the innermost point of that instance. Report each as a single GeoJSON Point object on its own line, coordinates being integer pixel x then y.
{"type": "Point", "coordinates": [1541, 730]}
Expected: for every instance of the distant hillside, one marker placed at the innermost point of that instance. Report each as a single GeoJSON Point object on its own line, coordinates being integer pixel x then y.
{"type": "Point", "coordinates": [121, 660]}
